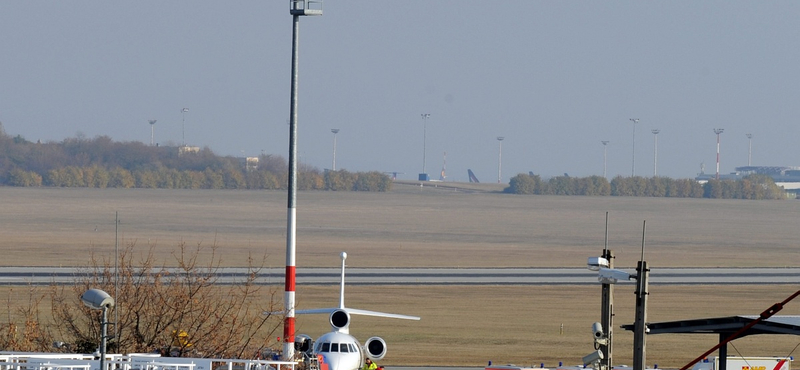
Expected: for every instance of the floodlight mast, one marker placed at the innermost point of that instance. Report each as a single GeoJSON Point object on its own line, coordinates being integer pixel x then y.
{"type": "Point", "coordinates": [425, 117]}
{"type": "Point", "coordinates": [655, 151]}
{"type": "Point", "coordinates": [633, 147]}
{"type": "Point", "coordinates": [297, 8]}
{"type": "Point", "coordinates": [335, 131]}
{"type": "Point", "coordinates": [718, 131]}
{"type": "Point", "coordinates": [183, 125]}
{"type": "Point", "coordinates": [605, 144]}
{"type": "Point", "coordinates": [152, 130]}
{"type": "Point", "coordinates": [500, 159]}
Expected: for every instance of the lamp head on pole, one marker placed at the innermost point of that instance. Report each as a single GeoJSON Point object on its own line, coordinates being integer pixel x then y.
{"type": "Point", "coordinates": [97, 299]}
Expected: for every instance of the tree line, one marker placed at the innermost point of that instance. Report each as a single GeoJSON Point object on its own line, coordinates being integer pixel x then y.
{"type": "Point", "coordinates": [749, 187]}
{"type": "Point", "coordinates": [104, 163]}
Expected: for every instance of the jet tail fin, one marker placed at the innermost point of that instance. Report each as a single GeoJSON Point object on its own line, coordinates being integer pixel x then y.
{"type": "Point", "coordinates": [472, 177]}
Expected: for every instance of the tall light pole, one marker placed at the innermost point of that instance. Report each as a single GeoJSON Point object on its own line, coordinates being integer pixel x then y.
{"type": "Point", "coordinates": [633, 146]}
{"type": "Point", "coordinates": [500, 159]}
{"type": "Point", "coordinates": [749, 148]}
{"type": "Point", "coordinates": [425, 116]}
{"type": "Point", "coordinates": [605, 144]}
{"type": "Point", "coordinates": [718, 131]}
{"type": "Point", "coordinates": [97, 299]}
{"type": "Point", "coordinates": [655, 151]}
{"type": "Point", "coordinates": [183, 124]}
{"type": "Point", "coordinates": [297, 8]}
{"type": "Point", "coordinates": [335, 131]}
{"type": "Point", "coordinates": [152, 130]}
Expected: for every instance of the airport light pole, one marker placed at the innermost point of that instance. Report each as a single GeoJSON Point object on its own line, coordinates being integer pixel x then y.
{"type": "Point", "coordinates": [605, 145]}
{"type": "Point", "coordinates": [335, 131]}
{"type": "Point", "coordinates": [297, 8]}
{"type": "Point", "coordinates": [152, 130]}
{"type": "Point", "coordinates": [718, 131]}
{"type": "Point", "coordinates": [97, 299]}
{"type": "Point", "coordinates": [655, 151]}
{"type": "Point", "coordinates": [749, 148]}
{"type": "Point", "coordinates": [183, 125]}
{"type": "Point", "coordinates": [425, 117]}
{"type": "Point", "coordinates": [500, 159]}
{"type": "Point", "coordinates": [633, 147]}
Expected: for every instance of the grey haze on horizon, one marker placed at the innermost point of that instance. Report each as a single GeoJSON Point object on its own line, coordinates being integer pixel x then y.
{"type": "Point", "coordinates": [553, 78]}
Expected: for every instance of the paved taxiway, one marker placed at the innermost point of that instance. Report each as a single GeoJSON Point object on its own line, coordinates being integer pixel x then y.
{"type": "Point", "coordinates": [446, 276]}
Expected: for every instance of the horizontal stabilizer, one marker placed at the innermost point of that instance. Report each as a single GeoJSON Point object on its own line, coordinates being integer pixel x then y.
{"type": "Point", "coordinates": [355, 311]}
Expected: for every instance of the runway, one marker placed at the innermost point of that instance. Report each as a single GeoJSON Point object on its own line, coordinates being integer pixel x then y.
{"type": "Point", "coordinates": [443, 276]}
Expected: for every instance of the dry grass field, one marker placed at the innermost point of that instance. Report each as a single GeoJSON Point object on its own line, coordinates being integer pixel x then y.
{"type": "Point", "coordinates": [421, 227]}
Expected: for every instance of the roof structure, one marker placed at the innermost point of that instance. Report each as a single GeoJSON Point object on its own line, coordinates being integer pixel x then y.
{"type": "Point", "coordinates": [724, 327]}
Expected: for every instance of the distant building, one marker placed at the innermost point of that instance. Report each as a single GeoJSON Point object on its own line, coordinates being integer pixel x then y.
{"type": "Point", "coordinates": [188, 149]}
{"type": "Point", "coordinates": [784, 176]}
{"type": "Point", "coordinates": [249, 163]}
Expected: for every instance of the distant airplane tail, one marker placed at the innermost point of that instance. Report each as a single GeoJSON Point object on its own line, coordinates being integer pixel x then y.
{"type": "Point", "coordinates": [443, 175]}
{"type": "Point", "coordinates": [472, 177]}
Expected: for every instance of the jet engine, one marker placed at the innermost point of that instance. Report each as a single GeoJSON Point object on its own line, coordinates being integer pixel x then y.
{"type": "Point", "coordinates": [375, 348]}
{"type": "Point", "coordinates": [339, 320]}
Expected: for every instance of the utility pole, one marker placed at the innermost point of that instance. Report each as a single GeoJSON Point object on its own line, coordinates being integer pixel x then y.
{"type": "Point", "coordinates": [749, 148]}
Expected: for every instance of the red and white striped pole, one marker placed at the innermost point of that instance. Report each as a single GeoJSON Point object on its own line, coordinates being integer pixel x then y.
{"type": "Point", "coordinates": [297, 8]}
{"type": "Point", "coordinates": [291, 216]}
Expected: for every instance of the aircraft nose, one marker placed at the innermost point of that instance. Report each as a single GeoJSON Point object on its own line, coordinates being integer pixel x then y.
{"type": "Point", "coordinates": [338, 363]}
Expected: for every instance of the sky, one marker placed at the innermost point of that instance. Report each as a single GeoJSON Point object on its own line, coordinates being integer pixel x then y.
{"type": "Point", "coordinates": [553, 78]}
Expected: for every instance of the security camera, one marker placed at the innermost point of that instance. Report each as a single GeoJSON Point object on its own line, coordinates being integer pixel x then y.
{"type": "Point", "coordinates": [597, 329]}
{"type": "Point", "coordinates": [97, 299]}
{"type": "Point", "coordinates": [610, 276]}
{"type": "Point", "coordinates": [595, 263]}
{"type": "Point", "coordinates": [599, 336]}
{"type": "Point", "coordinates": [593, 357]}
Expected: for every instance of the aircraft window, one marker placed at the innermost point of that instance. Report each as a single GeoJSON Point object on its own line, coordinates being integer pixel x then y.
{"type": "Point", "coordinates": [334, 347]}
{"type": "Point", "coordinates": [352, 347]}
{"type": "Point", "coordinates": [325, 347]}
{"type": "Point", "coordinates": [344, 347]}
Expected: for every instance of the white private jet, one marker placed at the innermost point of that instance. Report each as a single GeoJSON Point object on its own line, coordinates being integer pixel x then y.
{"type": "Point", "coordinates": [338, 350]}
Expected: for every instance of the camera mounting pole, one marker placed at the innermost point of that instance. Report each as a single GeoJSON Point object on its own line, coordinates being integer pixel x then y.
{"type": "Point", "coordinates": [640, 323]}
{"type": "Point", "coordinates": [607, 309]}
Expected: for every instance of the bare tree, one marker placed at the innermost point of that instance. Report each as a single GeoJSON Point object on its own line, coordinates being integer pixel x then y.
{"type": "Point", "coordinates": [175, 311]}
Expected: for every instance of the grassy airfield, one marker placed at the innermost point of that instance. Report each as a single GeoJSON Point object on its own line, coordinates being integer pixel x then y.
{"type": "Point", "coordinates": [415, 226]}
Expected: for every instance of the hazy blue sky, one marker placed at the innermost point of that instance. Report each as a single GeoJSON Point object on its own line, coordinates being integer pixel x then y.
{"type": "Point", "coordinates": [552, 77]}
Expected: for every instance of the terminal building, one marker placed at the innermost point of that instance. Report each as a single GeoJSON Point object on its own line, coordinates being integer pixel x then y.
{"type": "Point", "coordinates": [786, 177]}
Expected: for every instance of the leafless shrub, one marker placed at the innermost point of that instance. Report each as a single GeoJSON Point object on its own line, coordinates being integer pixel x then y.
{"type": "Point", "coordinates": [176, 311]}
